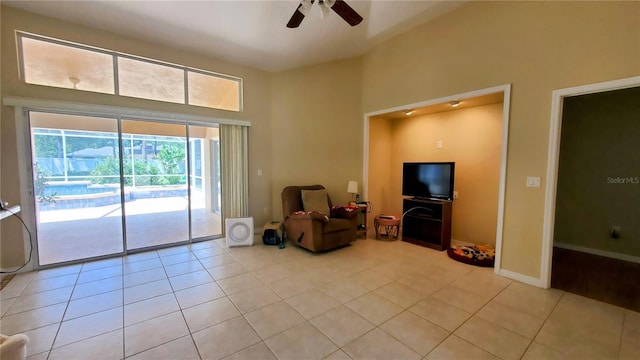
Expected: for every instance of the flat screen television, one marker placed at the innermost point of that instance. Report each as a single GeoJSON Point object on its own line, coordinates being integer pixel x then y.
{"type": "Point", "coordinates": [428, 180]}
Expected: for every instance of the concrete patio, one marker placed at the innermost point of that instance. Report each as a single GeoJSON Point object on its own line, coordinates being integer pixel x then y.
{"type": "Point", "coordinates": [72, 234]}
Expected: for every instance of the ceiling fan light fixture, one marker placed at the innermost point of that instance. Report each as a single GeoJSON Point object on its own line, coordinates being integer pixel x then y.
{"type": "Point", "coordinates": [305, 6]}
{"type": "Point", "coordinates": [340, 7]}
{"type": "Point", "coordinates": [325, 7]}
{"type": "Point", "coordinates": [324, 10]}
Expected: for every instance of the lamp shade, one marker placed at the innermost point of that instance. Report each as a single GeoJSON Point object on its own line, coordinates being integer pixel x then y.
{"type": "Point", "coordinates": [352, 187]}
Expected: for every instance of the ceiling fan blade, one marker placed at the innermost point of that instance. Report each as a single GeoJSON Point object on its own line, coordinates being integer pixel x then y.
{"type": "Point", "coordinates": [296, 18]}
{"type": "Point", "coordinates": [347, 13]}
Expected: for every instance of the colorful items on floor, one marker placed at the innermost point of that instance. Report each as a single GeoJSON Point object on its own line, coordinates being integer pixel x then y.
{"type": "Point", "coordinates": [480, 255]}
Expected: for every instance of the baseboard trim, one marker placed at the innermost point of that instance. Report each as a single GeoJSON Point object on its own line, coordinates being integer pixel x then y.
{"type": "Point", "coordinates": [14, 270]}
{"type": "Point", "coordinates": [537, 282]}
{"type": "Point", "coordinates": [609, 254]}
{"type": "Point", "coordinates": [455, 242]}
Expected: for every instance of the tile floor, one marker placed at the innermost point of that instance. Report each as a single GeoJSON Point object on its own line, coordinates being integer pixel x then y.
{"type": "Point", "coordinates": [371, 300]}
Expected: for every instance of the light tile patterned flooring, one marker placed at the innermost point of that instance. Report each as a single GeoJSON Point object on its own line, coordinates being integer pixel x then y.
{"type": "Point", "coordinates": [371, 300]}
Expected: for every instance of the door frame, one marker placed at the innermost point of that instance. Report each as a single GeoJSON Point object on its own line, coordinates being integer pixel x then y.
{"type": "Point", "coordinates": [23, 105]}
{"type": "Point", "coordinates": [214, 154]}
{"type": "Point", "coordinates": [557, 99]}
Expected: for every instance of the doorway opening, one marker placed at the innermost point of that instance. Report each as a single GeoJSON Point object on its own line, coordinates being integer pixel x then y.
{"type": "Point", "coordinates": [590, 232]}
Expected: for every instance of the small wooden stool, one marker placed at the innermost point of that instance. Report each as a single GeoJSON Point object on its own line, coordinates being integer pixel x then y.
{"type": "Point", "coordinates": [391, 226]}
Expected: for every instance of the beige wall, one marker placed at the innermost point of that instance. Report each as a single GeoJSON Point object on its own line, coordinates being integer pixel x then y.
{"type": "Point", "coordinates": [317, 129]}
{"type": "Point", "coordinates": [256, 107]}
{"type": "Point", "coordinates": [471, 137]}
{"type": "Point", "coordinates": [381, 191]}
{"type": "Point", "coordinates": [535, 46]}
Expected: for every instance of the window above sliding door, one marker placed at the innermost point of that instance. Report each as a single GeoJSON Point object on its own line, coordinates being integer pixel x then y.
{"type": "Point", "coordinates": [58, 63]}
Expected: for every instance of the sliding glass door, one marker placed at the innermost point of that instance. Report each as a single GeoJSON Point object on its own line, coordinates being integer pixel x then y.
{"type": "Point", "coordinates": [105, 186]}
{"type": "Point", "coordinates": [155, 176]}
{"type": "Point", "coordinates": [205, 182]}
{"type": "Point", "coordinates": [76, 177]}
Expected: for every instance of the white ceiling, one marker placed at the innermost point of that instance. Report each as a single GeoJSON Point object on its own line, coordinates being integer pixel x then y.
{"type": "Point", "coordinates": [463, 103]}
{"type": "Point", "coordinates": [248, 32]}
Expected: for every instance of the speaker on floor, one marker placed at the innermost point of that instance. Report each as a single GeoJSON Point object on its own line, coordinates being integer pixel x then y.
{"type": "Point", "coordinates": [239, 231]}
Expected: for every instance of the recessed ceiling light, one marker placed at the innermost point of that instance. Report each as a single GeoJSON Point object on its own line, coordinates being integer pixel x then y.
{"type": "Point", "coordinates": [408, 112]}
{"type": "Point", "coordinates": [454, 103]}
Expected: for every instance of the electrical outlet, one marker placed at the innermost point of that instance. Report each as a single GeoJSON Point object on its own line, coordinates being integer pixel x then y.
{"type": "Point", "coordinates": [439, 144]}
{"type": "Point", "coordinates": [455, 194]}
{"type": "Point", "coordinates": [615, 232]}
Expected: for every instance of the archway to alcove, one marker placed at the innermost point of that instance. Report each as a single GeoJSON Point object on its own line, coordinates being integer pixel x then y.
{"type": "Point", "coordinates": [473, 134]}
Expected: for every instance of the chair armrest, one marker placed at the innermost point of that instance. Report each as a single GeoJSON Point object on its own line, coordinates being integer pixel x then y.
{"type": "Point", "coordinates": [345, 212]}
{"type": "Point", "coordinates": [13, 347]}
{"type": "Point", "coordinates": [303, 216]}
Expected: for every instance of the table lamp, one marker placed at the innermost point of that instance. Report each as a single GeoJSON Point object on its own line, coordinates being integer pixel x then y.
{"type": "Point", "coordinates": [352, 188]}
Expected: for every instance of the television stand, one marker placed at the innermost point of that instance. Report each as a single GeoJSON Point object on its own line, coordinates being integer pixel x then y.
{"type": "Point", "coordinates": [427, 223]}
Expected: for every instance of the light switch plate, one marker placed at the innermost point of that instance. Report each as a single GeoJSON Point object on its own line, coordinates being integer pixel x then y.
{"type": "Point", "coordinates": [533, 181]}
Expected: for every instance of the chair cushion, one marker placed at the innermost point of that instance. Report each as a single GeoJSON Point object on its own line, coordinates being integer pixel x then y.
{"type": "Point", "coordinates": [315, 200]}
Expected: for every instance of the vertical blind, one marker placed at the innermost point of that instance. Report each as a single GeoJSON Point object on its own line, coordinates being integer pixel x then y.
{"type": "Point", "coordinates": [234, 166]}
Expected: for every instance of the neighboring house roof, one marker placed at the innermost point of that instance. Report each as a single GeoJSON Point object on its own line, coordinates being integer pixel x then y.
{"type": "Point", "coordinates": [104, 151]}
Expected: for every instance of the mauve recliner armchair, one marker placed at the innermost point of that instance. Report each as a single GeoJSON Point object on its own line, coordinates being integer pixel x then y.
{"type": "Point", "coordinates": [315, 231]}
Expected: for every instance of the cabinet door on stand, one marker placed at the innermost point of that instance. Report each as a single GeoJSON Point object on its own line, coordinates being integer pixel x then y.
{"type": "Point", "coordinates": [427, 223]}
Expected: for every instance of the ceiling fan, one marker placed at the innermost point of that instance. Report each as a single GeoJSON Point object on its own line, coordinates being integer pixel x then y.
{"type": "Point", "coordinates": [339, 6]}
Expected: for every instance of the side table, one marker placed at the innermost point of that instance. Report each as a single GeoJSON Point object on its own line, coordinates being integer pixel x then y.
{"type": "Point", "coordinates": [389, 223]}
{"type": "Point", "coordinates": [363, 227]}
{"type": "Point", "coordinates": [363, 209]}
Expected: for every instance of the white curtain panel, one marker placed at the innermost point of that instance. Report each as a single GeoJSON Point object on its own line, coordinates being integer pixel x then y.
{"type": "Point", "coordinates": [234, 168]}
